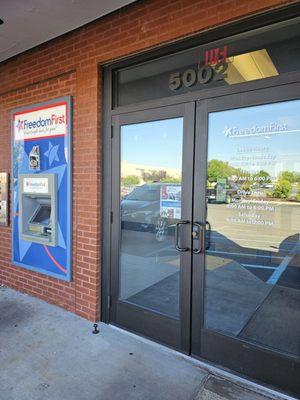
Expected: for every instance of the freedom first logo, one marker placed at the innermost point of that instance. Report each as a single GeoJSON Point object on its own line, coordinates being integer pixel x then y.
{"type": "Point", "coordinates": [267, 130]}
{"type": "Point", "coordinates": [41, 122]}
{"type": "Point", "coordinates": [25, 125]}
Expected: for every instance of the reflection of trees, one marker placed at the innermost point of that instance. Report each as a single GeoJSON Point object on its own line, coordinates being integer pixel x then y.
{"type": "Point", "coordinates": [287, 185]}
{"type": "Point", "coordinates": [282, 189]}
{"type": "Point", "coordinates": [298, 193]}
{"type": "Point", "coordinates": [292, 177]}
{"type": "Point", "coordinates": [159, 176]}
{"type": "Point", "coordinates": [287, 176]}
{"type": "Point", "coordinates": [130, 180]}
{"type": "Point", "coordinates": [286, 181]}
{"type": "Point", "coordinates": [263, 176]}
{"type": "Point", "coordinates": [170, 179]}
{"type": "Point", "coordinates": [297, 177]}
{"type": "Point", "coordinates": [154, 176]}
{"type": "Point", "coordinates": [219, 169]}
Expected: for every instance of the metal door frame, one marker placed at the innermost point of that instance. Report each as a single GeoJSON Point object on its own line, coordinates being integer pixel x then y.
{"type": "Point", "coordinates": [287, 86]}
{"type": "Point", "coordinates": [254, 360]}
{"type": "Point", "coordinates": [106, 72]}
{"type": "Point", "coordinates": [262, 363]}
{"type": "Point", "coordinates": [136, 318]}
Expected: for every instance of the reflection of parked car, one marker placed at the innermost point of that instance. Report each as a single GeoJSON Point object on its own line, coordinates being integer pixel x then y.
{"type": "Point", "coordinates": [141, 209]}
{"type": "Point", "coordinates": [232, 195]}
{"type": "Point", "coordinates": [211, 194]}
{"type": "Point", "coordinates": [268, 185]}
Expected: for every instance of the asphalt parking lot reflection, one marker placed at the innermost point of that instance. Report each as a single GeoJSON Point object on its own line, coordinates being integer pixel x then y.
{"type": "Point", "coordinates": [252, 276]}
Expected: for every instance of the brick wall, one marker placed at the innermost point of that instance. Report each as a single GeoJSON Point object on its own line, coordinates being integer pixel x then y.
{"type": "Point", "coordinates": [68, 65]}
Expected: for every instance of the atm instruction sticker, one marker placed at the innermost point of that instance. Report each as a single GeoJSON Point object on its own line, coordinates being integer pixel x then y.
{"type": "Point", "coordinates": [36, 185]}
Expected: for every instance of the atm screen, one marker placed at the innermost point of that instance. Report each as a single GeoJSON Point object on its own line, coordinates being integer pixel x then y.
{"type": "Point", "coordinates": [42, 215]}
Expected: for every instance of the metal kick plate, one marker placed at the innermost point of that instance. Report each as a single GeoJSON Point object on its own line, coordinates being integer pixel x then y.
{"type": "Point", "coordinates": [4, 198]}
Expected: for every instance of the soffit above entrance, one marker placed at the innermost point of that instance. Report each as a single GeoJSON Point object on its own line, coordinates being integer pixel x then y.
{"type": "Point", "coordinates": [29, 23]}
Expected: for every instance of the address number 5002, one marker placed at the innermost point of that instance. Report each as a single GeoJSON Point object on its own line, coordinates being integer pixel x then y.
{"type": "Point", "coordinates": [203, 76]}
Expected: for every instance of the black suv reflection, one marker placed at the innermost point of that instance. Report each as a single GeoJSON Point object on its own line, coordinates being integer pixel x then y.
{"type": "Point", "coordinates": [140, 211]}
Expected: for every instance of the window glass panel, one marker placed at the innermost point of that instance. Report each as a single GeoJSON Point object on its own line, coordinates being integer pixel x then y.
{"type": "Point", "coordinates": [150, 188]}
{"type": "Point", "coordinates": [259, 54]}
{"type": "Point", "coordinates": [252, 280]}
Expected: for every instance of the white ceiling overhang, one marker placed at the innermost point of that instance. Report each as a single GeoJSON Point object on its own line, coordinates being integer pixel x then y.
{"type": "Point", "coordinates": [28, 23]}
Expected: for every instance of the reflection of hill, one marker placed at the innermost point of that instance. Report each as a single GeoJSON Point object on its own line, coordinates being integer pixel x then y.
{"type": "Point", "coordinates": [138, 170]}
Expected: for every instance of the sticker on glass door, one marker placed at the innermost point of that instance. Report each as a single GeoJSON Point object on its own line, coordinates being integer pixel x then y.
{"type": "Point", "coordinates": [252, 284]}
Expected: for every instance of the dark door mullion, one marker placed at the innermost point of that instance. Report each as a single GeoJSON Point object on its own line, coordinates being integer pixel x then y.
{"type": "Point", "coordinates": [199, 215]}
{"type": "Point", "coordinates": [115, 216]}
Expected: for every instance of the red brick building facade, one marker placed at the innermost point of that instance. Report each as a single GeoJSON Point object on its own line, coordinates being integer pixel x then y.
{"type": "Point", "coordinates": [70, 65]}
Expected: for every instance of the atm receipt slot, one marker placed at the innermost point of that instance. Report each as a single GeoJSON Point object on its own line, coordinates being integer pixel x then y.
{"type": "Point", "coordinates": [38, 208]}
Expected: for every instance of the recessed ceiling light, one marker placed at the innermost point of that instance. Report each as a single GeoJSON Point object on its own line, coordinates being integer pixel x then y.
{"type": "Point", "coordinates": [1, 21]}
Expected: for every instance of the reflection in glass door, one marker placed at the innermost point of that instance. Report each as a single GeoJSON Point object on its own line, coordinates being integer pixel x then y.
{"type": "Point", "coordinates": [150, 189]}
{"type": "Point", "coordinates": [251, 275]}
{"type": "Point", "coordinates": [237, 261]}
{"type": "Point", "coordinates": [252, 286]}
{"type": "Point", "coordinates": [152, 193]}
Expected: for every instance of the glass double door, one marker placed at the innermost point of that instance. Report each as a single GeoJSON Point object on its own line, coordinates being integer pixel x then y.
{"type": "Point", "coordinates": [205, 232]}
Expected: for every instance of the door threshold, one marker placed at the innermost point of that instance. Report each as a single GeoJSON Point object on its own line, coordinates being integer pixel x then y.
{"type": "Point", "coordinates": [211, 368]}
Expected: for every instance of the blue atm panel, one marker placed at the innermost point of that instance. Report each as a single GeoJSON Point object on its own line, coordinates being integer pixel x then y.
{"type": "Point", "coordinates": [42, 188]}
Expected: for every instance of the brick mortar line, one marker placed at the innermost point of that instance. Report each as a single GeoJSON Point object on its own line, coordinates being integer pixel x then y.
{"type": "Point", "coordinates": [47, 79]}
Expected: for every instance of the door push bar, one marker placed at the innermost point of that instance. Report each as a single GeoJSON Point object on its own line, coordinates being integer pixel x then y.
{"type": "Point", "coordinates": [177, 247]}
{"type": "Point", "coordinates": [199, 234]}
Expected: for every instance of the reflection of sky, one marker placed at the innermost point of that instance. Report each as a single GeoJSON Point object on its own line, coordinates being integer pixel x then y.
{"type": "Point", "coordinates": [275, 152]}
{"type": "Point", "coordinates": [157, 143]}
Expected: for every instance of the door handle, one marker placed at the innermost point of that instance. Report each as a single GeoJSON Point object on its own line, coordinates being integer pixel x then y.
{"type": "Point", "coordinates": [177, 247]}
{"type": "Point", "coordinates": [208, 243]}
{"type": "Point", "coordinates": [198, 234]}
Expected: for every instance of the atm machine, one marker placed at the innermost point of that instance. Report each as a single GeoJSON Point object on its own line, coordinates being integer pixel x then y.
{"type": "Point", "coordinates": [42, 188]}
{"type": "Point", "coordinates": [38, 208]}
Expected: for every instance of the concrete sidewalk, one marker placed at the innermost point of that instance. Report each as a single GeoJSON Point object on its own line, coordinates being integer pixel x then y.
{"type": "Point", "coordinates": [48, 353]}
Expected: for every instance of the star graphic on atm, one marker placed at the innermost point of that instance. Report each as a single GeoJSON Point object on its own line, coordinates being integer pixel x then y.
{"type": "Point", "coordinates": [51, 153]}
